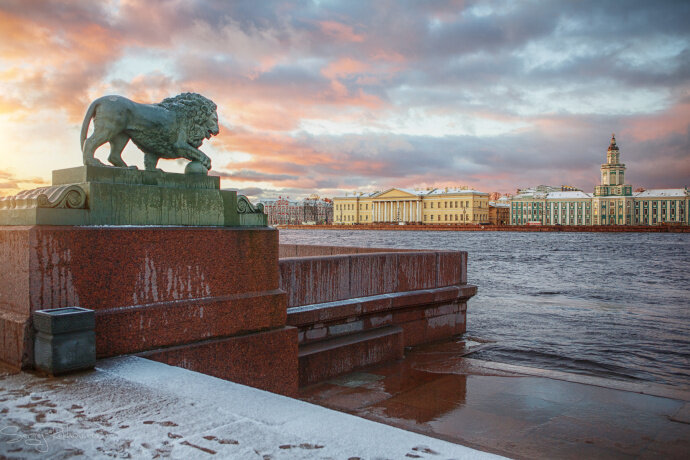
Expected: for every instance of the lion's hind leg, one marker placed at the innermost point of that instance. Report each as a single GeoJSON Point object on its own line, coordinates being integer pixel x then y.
{"type": "Point", "coordinates": [97, 139]}
{"type": "Point", "coordinates": [151, 161]}
{"type": "Point", "coordinates": [117, 145]}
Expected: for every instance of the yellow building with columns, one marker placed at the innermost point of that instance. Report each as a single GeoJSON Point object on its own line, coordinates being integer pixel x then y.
{"type": "Point", "coordinates": [405, 206]}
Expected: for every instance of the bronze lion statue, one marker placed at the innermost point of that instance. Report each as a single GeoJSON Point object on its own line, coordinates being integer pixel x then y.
{"type": "Point", "coordinates": [173, 128]}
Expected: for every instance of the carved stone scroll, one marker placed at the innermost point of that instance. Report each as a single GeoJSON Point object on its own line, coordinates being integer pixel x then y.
{"type": "Point", "coordinates": [244, 206]}
{"type": "Point", "coordinates": [55, 196]}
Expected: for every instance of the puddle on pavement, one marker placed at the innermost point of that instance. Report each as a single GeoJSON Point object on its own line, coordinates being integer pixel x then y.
{"type": "Point", "coordinates": [434, 391]}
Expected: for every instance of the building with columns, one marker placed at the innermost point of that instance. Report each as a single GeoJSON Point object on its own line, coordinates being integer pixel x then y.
{"type": "Point", "coordinates": [612, 203]}
{"type": "Point", "coordinates": [402, 206]}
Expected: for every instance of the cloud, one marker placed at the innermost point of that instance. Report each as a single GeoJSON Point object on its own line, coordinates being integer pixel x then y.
{"type": "Point", "coordinates": [337, 96]}
{"type": "Point", "coordinates": [12, 183]}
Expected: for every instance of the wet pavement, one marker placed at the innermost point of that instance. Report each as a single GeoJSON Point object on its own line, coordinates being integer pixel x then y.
{"type": "Point", "coordinates": [514, 411]}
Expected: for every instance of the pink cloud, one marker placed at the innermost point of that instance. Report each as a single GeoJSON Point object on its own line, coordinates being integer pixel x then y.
{"type": "Point", "coordinates": [340, 31]}
{"type": "Point", "coordinates": [647, 127]}
{"type": "Point", "coordinates": [344, 67]}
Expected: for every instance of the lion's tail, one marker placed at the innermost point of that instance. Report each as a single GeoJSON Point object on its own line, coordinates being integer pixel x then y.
{"type": "Point", "coordinates": [85, 124]}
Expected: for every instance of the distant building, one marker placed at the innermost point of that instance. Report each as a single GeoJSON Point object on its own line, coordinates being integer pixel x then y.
{"type": "Point", "coordinates": [398, 205]}
{"type": "Point", "coordinates": [499, 211]}
{"type": "Point", "coordinates": [312, 210]}
{"type": "Point", "coordinates": [613, 202]}
{"type": "Point", "coordinates": [281, 211]}
{"type": "Point", "coordinates": [317, 210]}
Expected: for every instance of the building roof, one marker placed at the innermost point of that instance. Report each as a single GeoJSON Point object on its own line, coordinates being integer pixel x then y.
{"type": "Point", "coordinates": [455, 191]}
{"type": "Point", "coordinates": [435, 191]}
{"type": "Point", "coordinates": [662, 192]}
{"type": "Point", "coordinates": [568, 195]}
{"type": "Point", "coordinates": [352, 196]}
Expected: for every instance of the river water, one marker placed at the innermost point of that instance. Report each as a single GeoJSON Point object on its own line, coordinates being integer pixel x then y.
{"type": "Point", "coordinates": [613, 305]}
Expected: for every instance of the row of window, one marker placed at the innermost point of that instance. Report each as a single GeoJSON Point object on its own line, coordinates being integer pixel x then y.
{"type": "Point", "coordinates": [456, 217]}
{"type": "Point", "coordinates": [446, 204]}
{"type": "Point", "coordinates": [453, 204]}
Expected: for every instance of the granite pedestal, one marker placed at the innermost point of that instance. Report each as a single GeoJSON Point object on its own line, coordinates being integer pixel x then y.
{"type": "Point", "coordinates": [165, 260]}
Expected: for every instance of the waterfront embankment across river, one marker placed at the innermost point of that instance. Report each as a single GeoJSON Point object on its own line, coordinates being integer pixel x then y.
{"type": "Point", "coordinates": [501, 228]}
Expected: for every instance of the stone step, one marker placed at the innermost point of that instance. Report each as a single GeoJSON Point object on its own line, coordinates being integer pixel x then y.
{"type": "Point", "coordinates": [323, 360]}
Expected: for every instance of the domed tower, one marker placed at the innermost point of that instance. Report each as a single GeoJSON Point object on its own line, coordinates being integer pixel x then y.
{"type": "Point", "coordinates": [612, 200]}
{"type": "Point", "coordinates": [613, 174]}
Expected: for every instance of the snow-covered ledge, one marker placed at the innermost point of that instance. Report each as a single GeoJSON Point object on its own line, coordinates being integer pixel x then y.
{"type": "Point", "coordinates": [134, 406]}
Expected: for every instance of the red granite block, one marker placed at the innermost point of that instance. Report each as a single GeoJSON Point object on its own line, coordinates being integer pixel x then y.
{"type": "Point", "coordinates": [372, 274]}
{"type": "Point", "coordinates": [452, 268]}
{"type": "Point", "coordinates": [312, 250]}
{"type": "Point", "coordinates": [135, 329]}
{"type": "Point", "coordinates": [440, 327]}
{"type": "Point", "coordinates": [326, 359]}
{"type": "Point", "coordinates": [14, 282]}
{"type": "Point", "coordinates": [351, 326]}
{"type": "Point", "coordinates": [416, 271]}
{"type": "Point", "coordinates": [378, 320]}
{"type": "Point", "coordinates": [315, 279]}
{"type": "Point", "coordinates": [408, 314]}
{"type": "Point", "coordinates": [134, 273]}
{"type": "Point", "coordinates": [287, 250]}
{"type": "Point", "coordinates": [374, 305]}
{"type": "Point", "coordinates": [265, 360]}
{"type": "Point", "coordinates": [297, 316]}
{"type": "Point", "coordinates": [339, 310]}
{"type": "Point", "coordinates": [414, 298]}
{"type": "Point", "coordinates": [467, 291]}
{"type": "Point", "coordinates": [461, 322]}
{"type": "Point", "coordinates": [106, 267]}
{"type": "Point", "coordinates": [341, 250]}
{"type": "Point", "coordinates": [315, 333]}
{"type": "Point", "coordinates": [440, 310]}
{"type": "Point", "coordinates": [15, 343]}
{"type": "Point", "coordinates": [414, 332]}
{"type": "Point", "coordinates": [446, 294]}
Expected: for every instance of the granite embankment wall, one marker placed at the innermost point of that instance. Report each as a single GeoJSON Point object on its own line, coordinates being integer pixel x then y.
{"type": "Point", "coordinates": [502, 228]}
{"type": "Point", "coordinates": [203, 298]}
{"type": "Point", "coordinates": [355, 307]}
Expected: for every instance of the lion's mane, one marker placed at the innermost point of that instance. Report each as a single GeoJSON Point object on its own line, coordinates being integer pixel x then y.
{"type": "Point", "coordinates": [195, 109]}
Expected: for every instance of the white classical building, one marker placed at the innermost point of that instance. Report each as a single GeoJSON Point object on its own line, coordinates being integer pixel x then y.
{"type": "Point", "coordinates": [612, 203]}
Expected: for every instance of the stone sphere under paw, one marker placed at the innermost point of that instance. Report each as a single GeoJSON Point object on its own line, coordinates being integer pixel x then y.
{"type": "Point", "coordinates": [195, 167]}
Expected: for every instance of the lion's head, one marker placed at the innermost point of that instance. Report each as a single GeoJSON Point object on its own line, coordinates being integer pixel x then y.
{"type": "Point", "coordinates": [199, 113]}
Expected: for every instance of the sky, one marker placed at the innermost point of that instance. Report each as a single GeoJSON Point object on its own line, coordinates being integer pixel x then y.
{"type": "Point", "coordinates": [329, 97]}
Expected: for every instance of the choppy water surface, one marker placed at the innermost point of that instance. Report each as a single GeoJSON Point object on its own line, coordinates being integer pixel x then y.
{"type": "Point", "coordinates": [613, 304]}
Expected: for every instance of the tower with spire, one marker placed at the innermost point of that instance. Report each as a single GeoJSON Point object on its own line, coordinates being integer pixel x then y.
{"type": "Point", "coordinates": [613, 174]}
